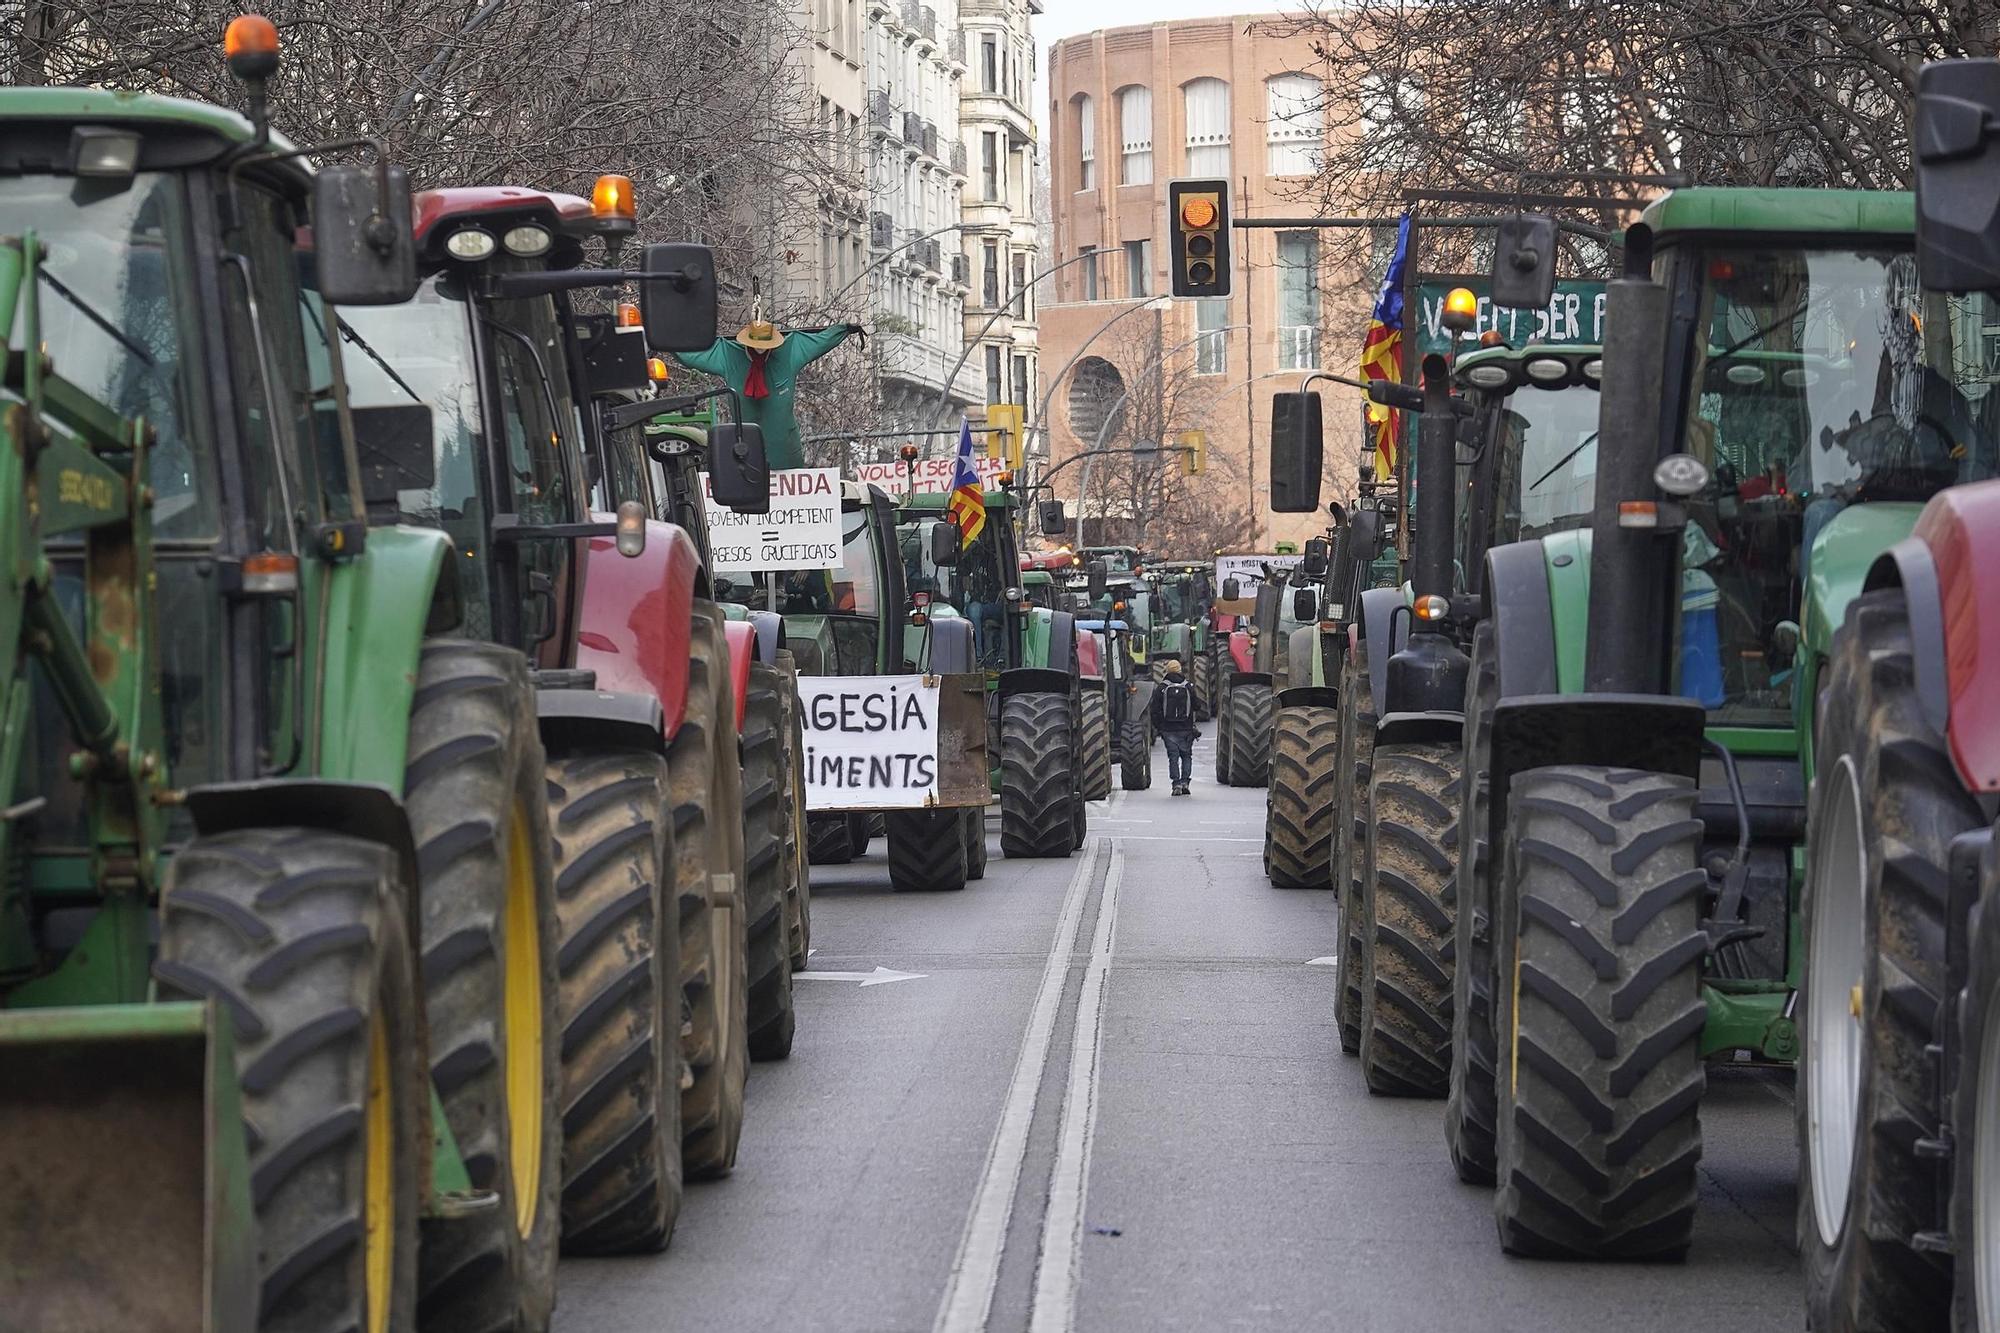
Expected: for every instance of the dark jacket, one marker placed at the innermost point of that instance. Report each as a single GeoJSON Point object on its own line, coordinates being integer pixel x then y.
{"type": "Point", "coordinates": [1161, 723]}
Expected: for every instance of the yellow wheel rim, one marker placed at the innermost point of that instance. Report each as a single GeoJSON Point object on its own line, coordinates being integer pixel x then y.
{"type": "Point", "coordinates": [522, 950]}
{"type": "Point", "coordinates": [378, 1204]}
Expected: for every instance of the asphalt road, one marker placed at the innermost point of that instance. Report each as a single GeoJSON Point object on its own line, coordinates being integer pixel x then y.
{"type": "Point", "coordinates": [1106, 1094]}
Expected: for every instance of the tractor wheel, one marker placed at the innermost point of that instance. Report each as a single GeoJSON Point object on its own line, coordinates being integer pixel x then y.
{"type": "Point", "coordinates": [867, 828]}
{"type": "Point", "coordinates": [1975, 1212]}
{"type": "Point", "coordinates": [1886, 805]}
{"type": "Point", "coordinates": [706, 781]}
{"type": "Point", "coordinates": [1222, 738]}
{"type": "Point", "coordinates": [828, 840]}
{"type": "Point", "coordinates": [1135, 754]}
{"type": "Point", "coordinates": [300, 937]}
{"type": "Point", "coordinates": [798, 904]}
{"type": "Point", "coordinates": [975, 843]}
{"type": "Point", "coordinates": [621, 1001]}
{"type": "Point", "coordinates": [477, 795]}
{"type": "Point", "coordinates": [1298, 817]}
{"type": "Point", "coordinates": [1201, 676]}
{"type": "Point", "coordinates": [768, 885]}
{"type": "Point", "coordinates": [1096, 741]}
{"type": "Point", "coordinates": [926, 851]}
{"type": "Point", "coordinates": [1354, 764]}
{"type": "Point", "coordinates": [1468, 1109]}
{"type": "Point", "coordinates": [1037, 785]}
{"type": "Point", "coordinates": [1249, 736]}
{"type": "Point", "coordinates": [1406, 896]}
{"type": "Point", "coordinates": [1599, 930]}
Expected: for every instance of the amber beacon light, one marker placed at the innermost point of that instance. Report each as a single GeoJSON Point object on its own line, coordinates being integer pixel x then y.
{"type": "Point", "coordinates": [250, 46]}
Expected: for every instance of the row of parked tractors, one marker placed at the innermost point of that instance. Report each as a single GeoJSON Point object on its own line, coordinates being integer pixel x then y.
{"type": "Point", "coordinates": [1674, 741]}
{"type": "Point", "coordinates": [405, 844]}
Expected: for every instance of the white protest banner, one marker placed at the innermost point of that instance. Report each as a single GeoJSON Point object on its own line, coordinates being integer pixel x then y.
{"type": "Point", "coordinates": [871, 741]}
{"type": "Point", "coordinates": [1249, 570]}
{"type": "Point", "coordinates": [802, 531]}
{"type": "Point", "coordinates": [933, 475]}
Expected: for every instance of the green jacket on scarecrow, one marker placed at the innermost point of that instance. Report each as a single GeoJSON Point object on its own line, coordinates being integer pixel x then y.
{"type": "Point", "coordinates": [762, 363]}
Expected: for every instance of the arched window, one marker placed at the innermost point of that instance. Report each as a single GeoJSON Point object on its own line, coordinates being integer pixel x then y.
{"type": "Point", "coordinates": [1086, 138]}
{"type": "Point", "coordinates": [1297, 125]}
{"type": "Point", "coordinates": [1207, 127]}
{"type": "Point", "coordinates": [1135, 129]}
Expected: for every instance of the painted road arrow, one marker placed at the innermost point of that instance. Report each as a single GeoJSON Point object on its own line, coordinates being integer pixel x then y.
{"type": "Point", "coordinates": [881, 976]}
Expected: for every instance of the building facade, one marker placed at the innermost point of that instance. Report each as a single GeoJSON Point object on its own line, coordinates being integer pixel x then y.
{"type": "Point", "coordinates": [1130, 109]}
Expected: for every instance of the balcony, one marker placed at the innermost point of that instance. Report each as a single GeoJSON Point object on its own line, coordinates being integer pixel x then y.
{"type": "Point", "coordinates": [913, 130]}
{"type": "Point", "coordinates": [961, 269]}
{"type": "Point", "coordinates": [910, 362]}
{"type": "Point", "coordinates": [881, 231]}
{"type": "Point", "coordinates": [879, 114]}
{"type": "Point", "coordinates": [930, 140]}
{"type": "Point", "coordinates": [958, 157]}
{"type": "Point", "coordinates": [957, 47]}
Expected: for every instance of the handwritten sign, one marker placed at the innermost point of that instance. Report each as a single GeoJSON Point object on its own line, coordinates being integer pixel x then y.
{"type": "Point", "coordinates": [1249, 569]}
{"type": "Point", "coordinates": [933, 475]}
{"type": "Point", "coordinates": [802, 531]}
{"type": "Point", "coordinates": [871, 741]}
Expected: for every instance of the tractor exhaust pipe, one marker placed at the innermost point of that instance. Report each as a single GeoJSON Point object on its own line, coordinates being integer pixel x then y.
{"type": "Point", "coordinates": [1630, 568]}
{"type": "Point", "coordinates": [1436, 464]}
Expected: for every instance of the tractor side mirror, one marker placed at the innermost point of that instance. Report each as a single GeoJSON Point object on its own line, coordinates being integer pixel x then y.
{"type": "Point", "coordinates": [1305, 606]}
{"type": "Point", "coordinates": [1524, 262]}
{"type": "Point", "coordinates": [1232, 589]}
{"type": "Point", "coordinates": [1054, 518]}
{"type": "Point", "coordinates": [677, 298]}
{"type": "Point", "coordinates": [946, 542]}
{"type": "Point", "coordinates": [394, 446]}
{"type": "Point", "coordinates": [1099, 573]}
{"type": "Point", "coordinates": [1313, 562]}
{"type": "Point", "coordinates": [1956, 141]}
{"type": "Point", "coordinates": [1297, 452]}
{"type": "Point", "coordinates": [739, 475]}
{"type": "Point", "coordinates": [363, 243]}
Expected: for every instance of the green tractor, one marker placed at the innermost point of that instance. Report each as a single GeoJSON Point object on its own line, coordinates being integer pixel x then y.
{"type": "Point", "coordinates": [1181, 628]}
{"type": "Point", "coordinates": [1777, 399]}
{"type": "Point", "coordinates": [278, 912]}
{"type": "Point", "coordinates": [1030, 656]}
{"type": "Point", "coordinates": [1253, 659]}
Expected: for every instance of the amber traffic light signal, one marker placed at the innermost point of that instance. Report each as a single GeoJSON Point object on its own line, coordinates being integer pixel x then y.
{"type": "Point", "coordinates": [1198, 222]}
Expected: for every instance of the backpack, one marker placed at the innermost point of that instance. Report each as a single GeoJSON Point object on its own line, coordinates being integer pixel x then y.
{"type": "Point", "coordinates": [1177, 701]}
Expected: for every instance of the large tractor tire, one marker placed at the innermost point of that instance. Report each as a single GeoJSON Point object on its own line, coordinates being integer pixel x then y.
{"type": "Point", "coordinates": [1298, 813]}
{"type": "Point", "coordinates": [1407, 900]}
{"type": "Point", "coordinates": [1222, 738]}
{"type": "Point", "coordinates": [477, 796]}
{"type": "Point", "coordinates": [1469, 1124]}
{"type": "Point", "coordinates": [706, 781]}
{"type": "Point", "coordinates": [1201, 676]}
{"type": "Point", "coordinates": [829, 840]}
{"type": "Point", "coordinates": [1975, 1104]}
{"type": "Point", "coordinates": [926, 851]}
{"type": "Point", "coordinates": [1135, 754]}
{"type": "Point", "coordinates": [1096, 741]}
{"type": "Point", "coordinates": [1039, 798]}
{"type": "Point", "coordinates": [1249, 736]}
{"type": "Point", "coordinates": [769, 875]}
{"type": "Point", "coordinates": [1886, 805]}
{"type": "Point", "coordinates": [974, 832]}
{"type": "Point", "coordinates": [1354, 766]}
{"type": "Point", "coordinates": [1599, 930]}
{"type": "Point", "coordinates": [300, 938]}
{"type": "Point", "coordinates": [621, 1000]}
{"type": "Point", "coordinates": [798, 899]}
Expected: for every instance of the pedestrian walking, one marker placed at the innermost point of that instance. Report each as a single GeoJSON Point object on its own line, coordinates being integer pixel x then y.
{"type": "Point", "coordinates": [1173, 718]}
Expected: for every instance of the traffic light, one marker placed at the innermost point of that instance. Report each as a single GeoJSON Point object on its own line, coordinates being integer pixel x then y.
{"type": "Point", "coordinates": [1194, 451]}
{"type": "Point", "coordinates": [1198, 218]}
{"type": "Point", "coordinates": [1003, 432]}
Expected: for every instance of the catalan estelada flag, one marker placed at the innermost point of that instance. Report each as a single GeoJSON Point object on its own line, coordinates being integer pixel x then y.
{"type": "Point", "coordinates": [968, 499]}
{"type": "Point", "coordinates": [1382, 350]}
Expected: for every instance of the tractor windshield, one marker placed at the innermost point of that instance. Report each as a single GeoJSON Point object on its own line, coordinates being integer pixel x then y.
{"type": "Point", "coordinates": [1546, 461]}
{"type": "Point", "coordinates": [974, 587]}
{"type": "Point", "coordinates": [117, 319]}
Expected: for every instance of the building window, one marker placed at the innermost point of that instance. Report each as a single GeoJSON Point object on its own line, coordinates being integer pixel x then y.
{"type": "Point", "coordinates": [1135, 130]}
{"type": "Point", "coordinates": [995, 391]}
{"type": "Point", "coordinates": [1138, 268]}
{"type": "Point", "coordinates": [1211, 354]}
{"type": "Point", "coordinates": [1086, 138]}
{"type": "Point", "coordinates": [989, 166]}
{"type": "Point", "coordinates": [1207, 127]}
{"type": "Point", "coordinates": [1298, 125]}
{"type": "Point", "coordinates": [990, 282]}
{"type": "Point", "coordinates": [989, 64]}
{"type": "Point", "coordinates": [1390, 109]}
{"type": "Point", "coordinates": [1021, 385]}
{"type": "Point", "coordinates": [1298, 300]}
{"type": "Point", "coordinates": [1089, 267]}
{"type": "Point", "coordinates": [1020, 284]}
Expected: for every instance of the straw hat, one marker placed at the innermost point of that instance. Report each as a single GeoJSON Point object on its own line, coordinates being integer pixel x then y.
{"type": "Point", "coordinates": [759, 335]}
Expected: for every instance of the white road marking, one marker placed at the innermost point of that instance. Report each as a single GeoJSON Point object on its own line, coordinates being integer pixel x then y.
{"type": "Point", "coordinates": [1061, 1263]}
{"type": "Point", "coordinates": [1325, 960]}
{"type": "Point", "coordinates": [975, 1271]}
{"type": "Point", "coordinates": [881, 976]}
{"type": "Point", "coordinates": [1172, 837]}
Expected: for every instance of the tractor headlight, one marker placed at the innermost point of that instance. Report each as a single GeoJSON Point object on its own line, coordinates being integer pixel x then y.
{"type": "Point", "coordinates": [471, 244]}
{"type": "Point", "coordinates": [1680, 474]}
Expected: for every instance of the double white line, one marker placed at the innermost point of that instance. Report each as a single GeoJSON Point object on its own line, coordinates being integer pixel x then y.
{"type": "Point", "coordinates": [975, 1273]}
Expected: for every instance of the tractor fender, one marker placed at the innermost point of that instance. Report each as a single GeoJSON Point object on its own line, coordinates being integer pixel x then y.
{"type": "Point", "coordinates": [1036, 680]}
{"type": "Point", "coordinates": [1241, 654]}
{"type": "Point", "coordinates": [378, 606]}
{"type": "Point", "coordinates": [1524, 633]}
{"type": "Point", "coordinates": [1142, 696]}
{"type": "Point", "coordinates": [600, 720]}
{"type": "Point", "coordinates": [1303, 652]}
{"type": "Point", "coordinates": [638, 614]}
{"type": "Point", "coordinates": [951, 648]}
{"type": "Point", "coordinates": [1063, 644]}
{"type": "Point", "coordinates": [1089, 656]}
{"type": "Point", "coordinates": [770, 627]}
{"type": "Point", "coordinates": [1250, 678]}
{"type": "Point", "coordinates": [358, 809]}
{"type": "Point", "coordinates": [1408, 728]}
{"type": "Point", "coordinates": [1309, 696]}
{"type": "Point", "coordinates": [1382, 633]}
{"type": "Point", "coordinates": [1093, 684]}
{"type": "Point", "coordinates": [1959, 533]}
{"type": "Point", "coordinates": [741, 637]}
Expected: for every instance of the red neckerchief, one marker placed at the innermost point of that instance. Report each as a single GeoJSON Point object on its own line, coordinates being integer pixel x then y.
{"type": "Point", "coordinates": [753, 383]}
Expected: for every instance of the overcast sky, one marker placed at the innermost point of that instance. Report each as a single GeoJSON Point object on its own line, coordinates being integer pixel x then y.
{"type": "Point", "coordinates": [1066, 18]}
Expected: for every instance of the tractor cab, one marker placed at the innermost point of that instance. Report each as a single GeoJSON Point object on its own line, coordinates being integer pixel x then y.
{"type": "Point", "coordinates": [980, 581]}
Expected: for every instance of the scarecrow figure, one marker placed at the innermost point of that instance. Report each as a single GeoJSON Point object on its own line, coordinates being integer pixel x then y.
{"type": "Point", "coordinates": [761, 363]}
